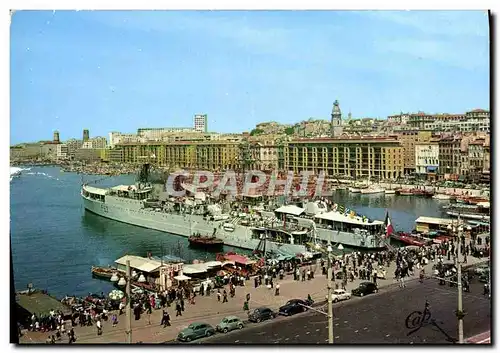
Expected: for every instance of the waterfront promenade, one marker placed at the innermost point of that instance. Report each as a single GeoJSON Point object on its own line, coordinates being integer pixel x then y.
{"type": "Point", "coordinates": [209, 310]}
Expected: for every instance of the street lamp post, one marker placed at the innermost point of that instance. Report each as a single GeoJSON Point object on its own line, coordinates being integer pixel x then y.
{"type": "Point", "coordinates": [127, 281]}
{"type": "Point", "coordinates": [329, 287]}
{"type": "Point", "coordinates": [458, 264]}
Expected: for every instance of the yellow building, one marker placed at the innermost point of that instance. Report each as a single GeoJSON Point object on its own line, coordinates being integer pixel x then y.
{"type": "Point", "coordinates": [205, 155]}
{"type": "Point", "coordinates": [352, 157]}
{"type": "Point", "coordinates": [408, 139]}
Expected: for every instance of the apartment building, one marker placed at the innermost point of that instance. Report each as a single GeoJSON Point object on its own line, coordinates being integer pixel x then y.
{"type": "Point", "coordinates": [354, 157]}
{"type": "Point", "coordinates": [449, 155]}
{"type": "Point", "coordinates": [201, 123]}
{"type": "Point", "coordinates": [62, 151]}
{"type": "Point", "coordinates": [427, 158]}
{"type": "Point", "coordinates": [206, 155]}
{"type": "Point", "coordinates": [408, 139]}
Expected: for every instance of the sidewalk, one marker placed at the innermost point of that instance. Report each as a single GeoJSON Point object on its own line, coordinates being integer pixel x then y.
{"type": "Point", "coordinates": [208, 310]}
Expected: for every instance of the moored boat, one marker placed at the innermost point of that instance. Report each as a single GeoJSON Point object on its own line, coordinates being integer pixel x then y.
{"type": "Point", "coordinates": [404, 192]}
{"type": "Point", "coordinates": [372, 189]}
{"type": "Point", "coordinates": [104, 272]}
{"type": "Point", "coordinates": [441, 197]}
{"type": "Point", "coordinates": [411, 239]}
{"type": "Point", "coordinates": [390, 192]}
{"type": "Point", "coordinates": [205, 241]}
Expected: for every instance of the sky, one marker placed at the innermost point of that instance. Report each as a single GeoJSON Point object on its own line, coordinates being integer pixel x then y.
{"type": "Point", "coordinates": [122, 70]}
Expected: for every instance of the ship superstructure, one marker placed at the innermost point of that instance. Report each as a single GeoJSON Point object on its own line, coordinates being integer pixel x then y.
{"type": "Point", "coordinates": [288, 229]}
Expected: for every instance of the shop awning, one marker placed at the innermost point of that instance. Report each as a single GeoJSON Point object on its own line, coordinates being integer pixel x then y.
{"type": "Point", "coordinates": [182, 278]}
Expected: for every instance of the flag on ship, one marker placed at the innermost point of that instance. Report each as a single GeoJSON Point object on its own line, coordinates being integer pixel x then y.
{"type": "Point", "coordinates": [388, 225]}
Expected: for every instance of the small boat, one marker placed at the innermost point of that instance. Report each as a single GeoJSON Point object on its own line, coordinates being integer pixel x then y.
{"type": "Point", "coordinates": [390, 192]}
{"type": "Point", "coordinates": [410, 239]}
{"type": "Point", "coordinates": [354, 190]}
{"type": "Point", "coordinates": [104, 272]}
{"type": "Point", "coordinates": [441, 197]}
{"type": "Point", "coordinates": [205, 241]}
{"type": "Point", "coordinates": [420, 192]}
{"type": "Point", "coordinates": [373, 189]}
{"type": "Point", "coordinates": [404, 192]}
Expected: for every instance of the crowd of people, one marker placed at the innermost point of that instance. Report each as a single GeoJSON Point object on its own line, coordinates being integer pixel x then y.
{"type": "Point", "coordinates": [345, 268]}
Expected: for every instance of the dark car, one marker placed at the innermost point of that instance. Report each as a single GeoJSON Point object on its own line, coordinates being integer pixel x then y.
{"type": "Point", "coordinates": [261, 314]}
{"type": "Point", "coordinates": [365, 288]}
{"type": "Point", "coordinates": [194, 331]}
{"type": "Point", "coordinates": [294, 306]}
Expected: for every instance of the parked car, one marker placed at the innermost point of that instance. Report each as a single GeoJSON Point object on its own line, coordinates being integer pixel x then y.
{"type": "Point", "coordinates": [484, 277]}
{"type": "Point", "coordinates": [294, 306]}
{"type": "Point", "coordinates": [339, 295]}
{"type": "Point", "coordinates": [365, 288]}
{"type": "Point", "coordinates": [261, 314]}
{"type": "Point", "coordinates": [194, 331]}
{"type": "Point", "coordinates": [230, 323]}
{"type": "Point", "coordinates": [482, 269]}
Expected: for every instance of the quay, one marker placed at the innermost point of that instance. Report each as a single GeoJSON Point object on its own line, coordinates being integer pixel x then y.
{"type": "Point", "coordinates": [208, 310]}
{"type": "Point", "coordinates": [37, 302]}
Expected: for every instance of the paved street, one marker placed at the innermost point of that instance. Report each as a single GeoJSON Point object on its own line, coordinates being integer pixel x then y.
{"type": "Point", "coordinates": [378, 318]}
{"type": "Point", "coordinates": [208, 310]}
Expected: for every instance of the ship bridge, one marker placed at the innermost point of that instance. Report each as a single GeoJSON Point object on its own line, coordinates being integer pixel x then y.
{"type": "Point", "coordinates": [93, 193]}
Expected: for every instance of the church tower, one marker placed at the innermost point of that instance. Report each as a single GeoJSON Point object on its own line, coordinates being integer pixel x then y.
{"type": "Point", "coordinates": [336, 122]}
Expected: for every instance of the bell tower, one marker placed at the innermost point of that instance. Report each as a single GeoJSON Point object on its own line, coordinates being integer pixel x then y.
{"type": "Point", "coordinates": [336, 120]}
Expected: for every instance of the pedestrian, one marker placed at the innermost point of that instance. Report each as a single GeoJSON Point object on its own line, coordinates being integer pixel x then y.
{"type": "Point", "coordinates": [99, 327]}
{"type": "Point", "coordinates": [224, 300]}
{"type": "Point", "coordinates": [245, 306]}
{"type": "Point", "coordinates": [277, 291]}
{"type": "Point", "coordinates": [114, 320]}
{"type": "Point", "coordinates": [121, 307]}
{"type": "Point", "coordinates": [248, 297]}
{"type": "Point", "coordinates": [71, 336]}
{"type": "Point", "coordinates": [402, 283]}
{"type": "Point", "coordinates": [165, 320]}
{"type": "Point", "coordinates": [178, 309]}
{"type": "Point", "coordinates": [218, 295]}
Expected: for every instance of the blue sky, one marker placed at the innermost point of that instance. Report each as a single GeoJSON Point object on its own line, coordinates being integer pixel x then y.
{"type": "Point", "coordinates": [121, 70]}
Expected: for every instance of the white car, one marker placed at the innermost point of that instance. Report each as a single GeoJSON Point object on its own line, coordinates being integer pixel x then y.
{"type": "Point", "coordinates": [339, 295]}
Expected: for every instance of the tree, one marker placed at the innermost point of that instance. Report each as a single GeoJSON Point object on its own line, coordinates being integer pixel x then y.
{"type": "Point", "coordinates": [256, 132]}
{"type": "Point", "coordinates": [289, 130]}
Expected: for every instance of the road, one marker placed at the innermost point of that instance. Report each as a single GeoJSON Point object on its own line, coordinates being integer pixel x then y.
{"type": "Point", "coordinates": [377, 318]}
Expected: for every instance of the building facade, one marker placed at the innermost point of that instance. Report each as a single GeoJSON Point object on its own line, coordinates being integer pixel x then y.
{"type": "Point", "coordinates": [204, 155]}
{"type": "Point", "coordinates": [427, 158]}
{"type": "Point", "coordinates": [349, 157]}
{"type": "Point", "coordinates": [158, 134]}
{"type": "Point", "coordinates": [408, 139]}
{"type": "Point", "coordinates": [62, 151]}
{"type": "Point", "coordinates": [449, 156]}
{"type": "Point", "coordinates": [201, 123]}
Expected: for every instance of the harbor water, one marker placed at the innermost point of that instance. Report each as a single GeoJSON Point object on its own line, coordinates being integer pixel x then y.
{"type": "Point", "coordinates": [55, 241]}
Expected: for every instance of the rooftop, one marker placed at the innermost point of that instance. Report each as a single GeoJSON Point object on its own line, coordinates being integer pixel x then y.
{"type": "Point", "coordinates": [40, 303]}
